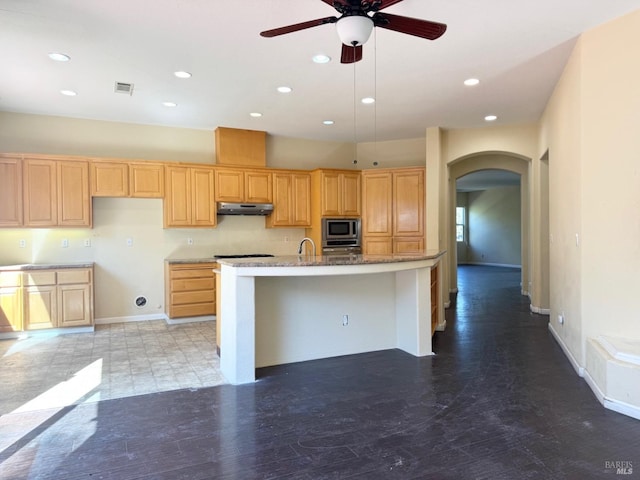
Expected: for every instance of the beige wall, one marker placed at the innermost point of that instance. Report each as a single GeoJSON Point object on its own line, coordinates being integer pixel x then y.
{"type": "Point", "coordinates": [494, 227]}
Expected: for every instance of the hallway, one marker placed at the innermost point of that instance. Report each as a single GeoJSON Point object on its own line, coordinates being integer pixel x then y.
{"type": "Point", "coordinates": [499, 400]}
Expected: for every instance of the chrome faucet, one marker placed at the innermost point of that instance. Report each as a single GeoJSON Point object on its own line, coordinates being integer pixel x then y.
{"type": "Point", "coordinates": [313, 246]}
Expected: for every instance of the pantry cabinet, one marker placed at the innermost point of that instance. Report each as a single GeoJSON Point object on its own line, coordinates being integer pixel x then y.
{"type": "Point", "coordinates": [291, 200]}
{"type": "Point", "coordinates": [189, 197]}
{"type": "Point", "coordinates": [393, 211]}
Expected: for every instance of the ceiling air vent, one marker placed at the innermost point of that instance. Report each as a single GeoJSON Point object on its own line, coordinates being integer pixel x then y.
{"type": "Point", "coordinates": [124, 88]}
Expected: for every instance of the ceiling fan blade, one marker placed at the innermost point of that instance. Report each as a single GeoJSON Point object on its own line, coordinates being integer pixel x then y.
{"type": "Point", "coordinates": [411, 26]}
{"type": "Point", "coordinates": [351, 54]}
{"type": "Point", "coordinates": [298, 26]}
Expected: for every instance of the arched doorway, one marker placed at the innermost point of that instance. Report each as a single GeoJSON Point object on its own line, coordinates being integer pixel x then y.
{"type": "Point", "coordinates": [486, 161]}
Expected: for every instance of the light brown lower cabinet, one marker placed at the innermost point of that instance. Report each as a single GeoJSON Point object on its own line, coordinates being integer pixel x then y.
{"type": "Point", "coordinates": [58, 298]}
{"type": "Point", "coordinates": [43, 299]}
{"type": "Point", "coordinates": [190, 289]}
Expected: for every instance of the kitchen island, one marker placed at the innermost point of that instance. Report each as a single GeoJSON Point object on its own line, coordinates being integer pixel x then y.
{"type": "Point", "coordinates": [295, 308]}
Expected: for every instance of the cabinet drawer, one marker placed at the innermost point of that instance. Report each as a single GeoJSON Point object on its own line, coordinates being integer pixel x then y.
{"type": "Point", "coordinates": [189, 284]}
{"type": "Point", "coordinates": [10, 279]}
{"type": "Point", "coordinates": [67, 277]}
{"type": "Point", "coordinates": [193, 273]}
{"type": "Point", "coordinates": [193, 310]}
{"type": "Point", "coordinates": [202, 296]}
{"type": "Point", "coordinates": [39, 278]}
{"type": "Point", "coordinates": [408, 245]}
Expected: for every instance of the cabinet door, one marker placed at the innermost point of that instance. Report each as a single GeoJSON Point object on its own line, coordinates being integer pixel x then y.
{"type": "Point", "coordinates": [377, 204]}
{"type": "Point", "coordinates": [301, 199]}
{"type": "Point", "coordinates": [282, 201]}
{"type": "Point", "coordinates": [377, 246]}
{"type": "Point", "coordinates": [10, 192]}
{"type": "Point", "coordinates": [109, 179]}
{"type": "Point", "coordinates": [74, 202]}
{"type": "Point", "coordinates": [331, 194]}
{"type": "Point", "coordinates": [177, 202]}
{"type": "Point", "coordinates": [408, 202]}
{"type": "Point", "coordinates": [146, 180]}
{"type": "Point", "coordinates": [203, 211]}
{"type": "Point", "coordinates": [350, 194]}
{"type": "Point", "coordinates": [408, 245]}
{"type": "Point", "coordinates": [40, 193]}
{"type": "Point", "coordinates": [74, 303]}
{"type": "Point", "coordinates": [229, 186]}
{"type": "Point", "coordinates": [40, 307]}
{"type": "Point", "coordinates": [257, 187]}
{"type": "Point", "coordinates": [10, 309]}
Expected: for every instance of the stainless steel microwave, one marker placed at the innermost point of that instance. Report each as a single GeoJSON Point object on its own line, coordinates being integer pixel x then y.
{"type": "Point", "coordinates": [338, 232]}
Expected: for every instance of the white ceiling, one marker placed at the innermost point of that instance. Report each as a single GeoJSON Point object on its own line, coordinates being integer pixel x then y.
{"type": "Point", "coordinates": [516, 48]}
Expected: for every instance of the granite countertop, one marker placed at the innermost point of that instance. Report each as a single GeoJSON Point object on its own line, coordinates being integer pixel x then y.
{"type": "Point", "coordinates": [327, 260]}
{"type": "Point", "coordinates": [44, 266]}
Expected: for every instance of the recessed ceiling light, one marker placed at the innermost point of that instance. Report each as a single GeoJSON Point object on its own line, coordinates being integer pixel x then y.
{"type": "Point", "coordinates": [368, 100]}
{"type": "Point", "coordinates": [59, 57]}
{"type": "Point", "coordinates": [470, 82]}
{"type": "Point", "coordinates": [490, 118]}
{"type": "Point", "coordinates": [182, 74]}
{"type": "Point", "coordinates": [170, 104]}
{"type": "Point", "coordinates": [321, 58]}
{"type": "Point", "coordinates": [328, 122]}
{"type": "Point", "coordinates": [284, 89]}
{"type": "Point", "coordinates": [68, 93]}
{"type": "Point", "coordinates": [255, 114]}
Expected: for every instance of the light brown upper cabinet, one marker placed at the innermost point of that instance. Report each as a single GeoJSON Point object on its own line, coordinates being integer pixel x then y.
{"type": "Point", "coordinates": [56, 193]}
{"type": "Point", "coordinates": [291, 200]}
{"type": "Point", "coordinates": [243, 185]}
{"type": "Point", "coordinates": [241, 147]}
{"type": "Point", "coordinates": [337, 192]}
{"type": "Point", "coordinates": [10, 192]}
{"type": "Point", "coordinates": [127, 179]}
{"type": "Point", "coordinates": [393, 211]}
{"type": "Point", "coordinates": [189, 197]}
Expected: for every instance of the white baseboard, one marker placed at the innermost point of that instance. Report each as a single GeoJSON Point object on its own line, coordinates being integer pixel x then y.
{"type": "Point", "coordinates": [623, 408]}
{"type": "Point", "coordinates": [574, 363]}
{"type": "Point", "coordinates": [441, 326]}
{"type": "Point", "coordinates": [130, 318]}
{"type": "Point", "coordinates": [447, 304]}
{"type": "Point", "coordinates": [594, 387]}
{"type": "Point", "coordinates": [154, 316]}
{"type": "Point", "coordinates": [453, 290]}
{"type": "Point", "coordinates": [541, 311]}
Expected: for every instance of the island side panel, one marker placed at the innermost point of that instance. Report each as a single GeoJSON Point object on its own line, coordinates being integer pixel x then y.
{"type": "Point", "coordinates": [237, 343]}
{"type": "Point", "coordinates": [301, 318]}
{"type": "Point", "coordinates": [413, 311]}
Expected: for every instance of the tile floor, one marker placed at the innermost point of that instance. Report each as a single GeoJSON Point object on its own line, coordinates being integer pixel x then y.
{"type": "Point", "coordinates": [117, 360]}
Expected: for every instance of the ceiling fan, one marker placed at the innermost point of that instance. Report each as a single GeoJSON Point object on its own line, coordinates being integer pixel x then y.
{"type": "Point", "coordinates": [355, 25]}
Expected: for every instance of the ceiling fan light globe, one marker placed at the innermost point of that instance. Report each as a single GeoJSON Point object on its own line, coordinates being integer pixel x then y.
{"type": "Point", "coordinates": [354, 30]}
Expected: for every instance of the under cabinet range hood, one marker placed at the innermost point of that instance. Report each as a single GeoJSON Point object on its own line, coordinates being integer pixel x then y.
{"type": "Point", "coordinates": [229, 208]}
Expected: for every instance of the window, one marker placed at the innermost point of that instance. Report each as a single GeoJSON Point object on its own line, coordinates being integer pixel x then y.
{"type": "Point", "coordinates": [460, 222]}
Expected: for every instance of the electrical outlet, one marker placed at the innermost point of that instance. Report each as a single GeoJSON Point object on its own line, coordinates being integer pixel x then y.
{"type": "Point", "coordinates": [87, 242]}
{"type": "Point", "coordinates": [189, 241]}
{"type": "Point", "coordinates": [129, 242]}
{"type": "Point", "coordinates": [22, 243]}
{"type": "Point", "coordinates": [286, 239]}
{"type": "Point", "coordinates": [345, 320]}
{"type": "Point", "coordinates": [561, 319]}
{"type": "Point", "coordinates": [64, 243]}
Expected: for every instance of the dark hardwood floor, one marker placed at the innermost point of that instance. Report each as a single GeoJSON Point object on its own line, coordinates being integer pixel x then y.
{"type": "Point", "coordinates": [499, 400]}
